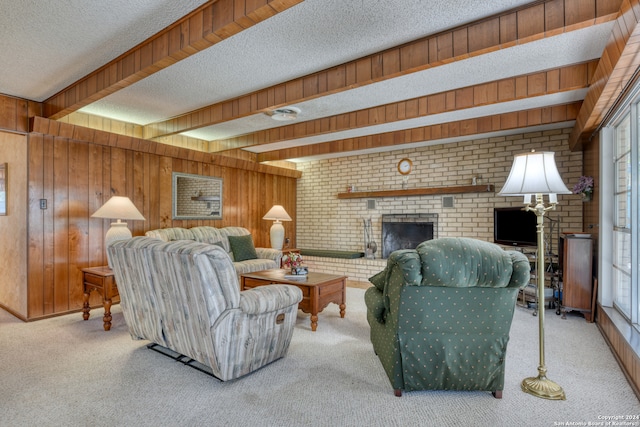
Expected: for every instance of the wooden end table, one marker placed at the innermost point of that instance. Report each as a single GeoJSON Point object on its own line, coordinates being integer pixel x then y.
{"type": "Point", "coordinates": [100, 279]}
{"type": "Point", "coordinates": [318, 289]}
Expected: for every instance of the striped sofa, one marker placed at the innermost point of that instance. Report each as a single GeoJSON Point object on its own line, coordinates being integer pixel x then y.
{"type": "Point", "coordinates": [185, 296]}
{"type": "Point", "coordinates": [267, 258]}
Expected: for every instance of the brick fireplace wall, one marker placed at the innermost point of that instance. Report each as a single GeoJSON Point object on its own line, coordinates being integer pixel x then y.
{"type": "Point", "coordinates": [326, 222]}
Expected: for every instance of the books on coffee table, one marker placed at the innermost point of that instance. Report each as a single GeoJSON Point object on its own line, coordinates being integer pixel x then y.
{"type": "Point", "coordinates": [295, 276]}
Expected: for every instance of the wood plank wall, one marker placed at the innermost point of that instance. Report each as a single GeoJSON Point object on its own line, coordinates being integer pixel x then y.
{"type": "Point", "coordinates": [15, 113]}
{"type": "Point", "coordinates": [76, 177]}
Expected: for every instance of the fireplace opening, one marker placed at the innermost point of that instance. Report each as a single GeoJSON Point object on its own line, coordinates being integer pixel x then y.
{"type": "Point", "coordinates": [407, 231]}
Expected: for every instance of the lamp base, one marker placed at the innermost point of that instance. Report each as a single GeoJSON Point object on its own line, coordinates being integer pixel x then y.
{"type": "Point", "coordinates": [118, 231]}
{"type": "Point", "coordinates": [277, 235]}
{"type": "Point", "coordinates": [543, 387]}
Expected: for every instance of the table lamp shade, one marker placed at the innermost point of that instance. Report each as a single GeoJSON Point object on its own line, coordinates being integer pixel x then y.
{"type": "Point", "coordinates": [118, 208]}
{"type": "Point", "coordinates": [534, 173]}
{"type": "Point", "coordinates": [277, 214]}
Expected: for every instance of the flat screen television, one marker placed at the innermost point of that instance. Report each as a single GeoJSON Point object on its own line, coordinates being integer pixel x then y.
{"type": "Point", "coordinates": [514, 227]}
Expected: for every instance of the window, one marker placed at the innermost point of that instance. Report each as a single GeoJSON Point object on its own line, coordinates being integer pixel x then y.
{"type": "Point", "coordinates": [620, 174]}
{"type": "Point", "coordinates": [622, 219]}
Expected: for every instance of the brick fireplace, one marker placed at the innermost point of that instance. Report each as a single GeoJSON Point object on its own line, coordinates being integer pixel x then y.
{"type": "Point", "coordinates": [406, 231]}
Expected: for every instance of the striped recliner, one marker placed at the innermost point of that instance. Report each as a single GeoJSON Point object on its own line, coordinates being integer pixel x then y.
{"type": "Point", "coordinates": [185, 296]}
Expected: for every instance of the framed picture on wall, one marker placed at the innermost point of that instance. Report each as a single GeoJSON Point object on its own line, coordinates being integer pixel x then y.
{"type": "Point", "coordinates": [3, 188]}
{"type": "Point", "coordinates": [196, 196]}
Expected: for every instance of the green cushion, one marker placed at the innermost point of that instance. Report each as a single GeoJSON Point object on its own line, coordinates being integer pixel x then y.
{"type": "Point", "coordinates": [463, 262]}
{"type": "Point", "coordinates": [379, 280]}
{"type": "Point", "coordinates": [331, 253]}
{"type": "Point", "coordinates": [242, 248]}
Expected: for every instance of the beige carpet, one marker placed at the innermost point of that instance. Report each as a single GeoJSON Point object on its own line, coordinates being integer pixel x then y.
{"type": "Point", "coordinates": [67, 372]}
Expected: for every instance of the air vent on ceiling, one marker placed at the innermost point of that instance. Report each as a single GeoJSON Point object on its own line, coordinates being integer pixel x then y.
{"type": "Point", "coordinates": [285, 114]}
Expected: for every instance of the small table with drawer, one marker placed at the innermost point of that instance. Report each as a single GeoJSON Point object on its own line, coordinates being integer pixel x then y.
{"type": "Point", "coordinates": [100, 279]}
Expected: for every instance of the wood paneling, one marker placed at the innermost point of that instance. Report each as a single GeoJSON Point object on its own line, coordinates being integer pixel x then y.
{"type": "Point", "coordinates": [13, 225]}
{"type": "Point", "coordinates": [76, 177]}
{"type": "Point", "coordinates": [55, 128]}
{"type": "Point", "coordinates": [531, 22]}
{"type": "Point", "coordinates": [202, 28]}
{"type": "Point", "coordinates": [15, 113]}
{"type": "Point", "coordinates": [624, 341]}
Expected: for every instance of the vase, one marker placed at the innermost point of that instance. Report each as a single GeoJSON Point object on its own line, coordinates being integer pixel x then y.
{"type": "Point", "coordinates": [299, 271]}
{"type": "Point", "coordinates": [586, 197]}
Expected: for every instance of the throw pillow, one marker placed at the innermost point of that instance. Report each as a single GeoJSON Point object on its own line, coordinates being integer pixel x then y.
{"type": "Point", "coordinates": [242, 248]}
{"type": "Point", "coordinates": [379, 280]}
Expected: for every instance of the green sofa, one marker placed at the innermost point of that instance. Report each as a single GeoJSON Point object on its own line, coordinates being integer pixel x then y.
{"type": "Point", "coordinates": [440, 314]}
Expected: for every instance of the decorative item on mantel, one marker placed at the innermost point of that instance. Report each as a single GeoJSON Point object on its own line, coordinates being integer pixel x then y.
{"type": "Point", "coordinates": [584, 187]}
{"type": "Point", "coordinates": [293, 261]}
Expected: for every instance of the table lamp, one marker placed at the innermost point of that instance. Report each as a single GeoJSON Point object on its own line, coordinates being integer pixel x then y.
{"type": "Point", "coordinates": [277, 214]}
{"type": "Point", "coordinates": [119, 208]}
{"type": "Point", "coordinates": [536, 173]}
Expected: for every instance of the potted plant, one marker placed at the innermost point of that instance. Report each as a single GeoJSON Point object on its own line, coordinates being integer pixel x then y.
{"type": "Point", "coordinates": [293, 261]}
{"type": "Point", "coordinates": [584, 187]}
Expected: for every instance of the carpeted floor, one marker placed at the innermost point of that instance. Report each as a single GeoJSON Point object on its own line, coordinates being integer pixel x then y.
{"type": "Point", "coordinates": [68, 372]}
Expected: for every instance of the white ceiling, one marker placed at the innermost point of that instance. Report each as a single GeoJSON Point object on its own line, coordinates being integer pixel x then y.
{"type": "Point", "coordinates": [47, 46]}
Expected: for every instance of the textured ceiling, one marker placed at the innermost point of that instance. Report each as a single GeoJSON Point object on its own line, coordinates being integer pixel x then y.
{"type": "Point", "coordinates": [48, 46]}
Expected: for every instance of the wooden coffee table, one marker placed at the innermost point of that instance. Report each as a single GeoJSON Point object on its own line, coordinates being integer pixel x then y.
{"type": "Point", "coordinates": [318, 289]}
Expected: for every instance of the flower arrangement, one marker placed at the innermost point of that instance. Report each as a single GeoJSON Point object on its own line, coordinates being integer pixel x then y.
{"type": "Point", "coordinates": [292, 260]}
{"type": "Point", "coordinates": [584, 187]}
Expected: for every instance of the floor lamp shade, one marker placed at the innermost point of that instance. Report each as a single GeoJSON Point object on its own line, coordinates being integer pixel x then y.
{"type": "Point", "coordinates": [536, 174]}
{"type": "Point", "coordinates": [118, 208]}
{"type": "Point", "coordinates": [277, 214]}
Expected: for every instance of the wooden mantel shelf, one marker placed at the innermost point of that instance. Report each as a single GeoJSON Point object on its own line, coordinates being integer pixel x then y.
{"type": "Point", "coordinates": [485, 188]}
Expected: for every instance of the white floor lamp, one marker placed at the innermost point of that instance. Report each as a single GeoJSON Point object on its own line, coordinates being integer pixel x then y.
{"type": "Point", "coordinates": [277, 214]}
{"type": "Point", "coordinates": [536, 174]}
{"type": "Point", "coordinates": [119, 208]}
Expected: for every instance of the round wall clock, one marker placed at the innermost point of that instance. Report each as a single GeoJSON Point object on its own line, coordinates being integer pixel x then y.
{"type": "Point", "coordinates": [404, 166]}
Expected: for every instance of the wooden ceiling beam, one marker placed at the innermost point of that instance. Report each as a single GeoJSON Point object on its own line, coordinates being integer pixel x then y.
{"type": "Point", "coordinates": [209, 24]}
{"type": "Point", "coordinates": [56, 128]}
{"type": "Point", "coordinates": [617, 66]}
{"type": "Point", "coordinates": [529, 23]}
{"type": "Point", "coordinates": [547, 82]}
{"type": "Point", "coordinates": [460, 128]}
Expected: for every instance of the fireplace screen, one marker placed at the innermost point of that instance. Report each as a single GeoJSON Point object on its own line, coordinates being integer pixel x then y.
{"type": "Point", "coordinates": [407, 231]}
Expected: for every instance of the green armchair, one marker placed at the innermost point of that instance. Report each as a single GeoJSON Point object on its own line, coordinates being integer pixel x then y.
{"type": "Point", "coordinates": [440, 314]}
